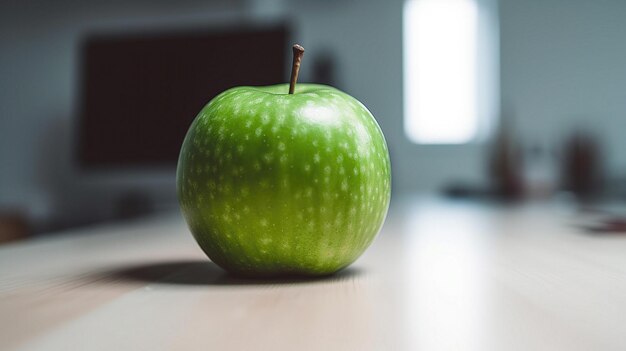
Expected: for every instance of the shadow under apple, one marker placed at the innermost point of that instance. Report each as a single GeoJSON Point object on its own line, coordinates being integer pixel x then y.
{"type": "Point", "coordinates": [204, 272]}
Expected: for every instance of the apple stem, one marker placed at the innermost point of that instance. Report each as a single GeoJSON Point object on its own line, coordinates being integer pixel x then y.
{"type": "Point", "coordinates": [298, 52]}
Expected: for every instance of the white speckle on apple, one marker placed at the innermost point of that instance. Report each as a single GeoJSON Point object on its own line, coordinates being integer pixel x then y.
{"type": "Point", "coordinates": [258, 131]}
{"type": "Point", "coordinates": [316, 157]}
{"type": "Point", "coordinates": [268, 157]}
{"type": "Point", "coordinates": [263, 222]}
{"type": "Point", "coordinates": [281, 146]}
{"type": "Point", "coordinates": [338, 219]}
{"type": "Point", "coordinates": [265, 118]}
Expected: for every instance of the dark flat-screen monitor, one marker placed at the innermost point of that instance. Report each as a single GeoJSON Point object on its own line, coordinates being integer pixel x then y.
{"type": "Point", "coordinates": [140, 92]}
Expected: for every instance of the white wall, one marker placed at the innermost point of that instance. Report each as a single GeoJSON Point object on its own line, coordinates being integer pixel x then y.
{"type": "Point", "coordinates": [564, 67]}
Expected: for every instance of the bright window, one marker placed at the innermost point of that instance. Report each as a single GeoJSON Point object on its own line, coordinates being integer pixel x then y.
{"type": "Point", "coordinates": [441, 63]}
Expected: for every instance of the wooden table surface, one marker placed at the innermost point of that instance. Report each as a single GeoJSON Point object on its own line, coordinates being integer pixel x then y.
{"type": "Point", "coordinates": [441, 276]}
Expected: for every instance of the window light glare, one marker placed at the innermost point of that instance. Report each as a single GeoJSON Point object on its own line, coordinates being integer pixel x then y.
{"type": "Point", "coordinates": [440, 71]}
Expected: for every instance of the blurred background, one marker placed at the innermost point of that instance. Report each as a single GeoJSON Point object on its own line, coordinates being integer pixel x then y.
{"type": "Point", "coordinates": [483, 99]}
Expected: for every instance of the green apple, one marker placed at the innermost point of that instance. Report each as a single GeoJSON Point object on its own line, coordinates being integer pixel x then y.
{"type": "Point", "coordinates": [272, 183]}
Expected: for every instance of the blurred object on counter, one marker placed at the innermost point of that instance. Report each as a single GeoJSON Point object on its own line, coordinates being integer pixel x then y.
{"type": "Point", "coordinates": [13, 226]}
{"type": "Point", "coordinates": [581, 172]}
{"type": "Point", "coordinates": [465, 190]}
{"type": "Point", "coordinates": [609, 225]}
{"type": "Point", "coordinates": [505, 163]}
{"type": "Point", "coordinates": [540, 171]}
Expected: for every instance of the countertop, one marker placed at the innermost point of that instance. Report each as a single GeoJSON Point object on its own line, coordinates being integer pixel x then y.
{"type": "Point", "coordinates": [442, 275]}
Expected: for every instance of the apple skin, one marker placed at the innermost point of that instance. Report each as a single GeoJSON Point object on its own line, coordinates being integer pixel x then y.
{"type": "Point", "coordinates": [275, 184]}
